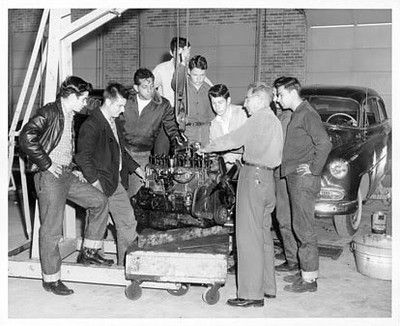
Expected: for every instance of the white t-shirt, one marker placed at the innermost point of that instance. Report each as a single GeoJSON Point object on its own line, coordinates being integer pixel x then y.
{"type": "Point", "coordinates": [141, 103]}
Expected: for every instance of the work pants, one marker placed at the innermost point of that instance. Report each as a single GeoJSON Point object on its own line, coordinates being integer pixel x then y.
{"type": "Point", "coordinates": [124, 219]}
{"type": "Point", "coordinates": [255, 249]}
{"type": "Point", "coordinates": [284, 218]}
{"type": "Point", "coordinates": [52, 195]}
{"type": "Point", "coordinates": [303, 191]}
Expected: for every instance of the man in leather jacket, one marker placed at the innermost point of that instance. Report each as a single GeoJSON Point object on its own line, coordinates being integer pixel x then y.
{"type": "Point", "coordinates": [102, 157]}
{"type": "Point", "coordinates": [48, 141]}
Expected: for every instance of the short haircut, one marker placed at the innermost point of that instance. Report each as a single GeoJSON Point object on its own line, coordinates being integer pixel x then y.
{"type": "Point", "coordinates": [181, 44]}
{"type": "Point", "coordinates": [288, 83]}
{"type": "Point", "coordinates": [261, 88]}
{"type": "Point", "coordinates": [74, 85]}
{"type": "Point", "coordinates": [219, 90]}
{"type": "Point", "coordinates": [198, 62]}
{"type": "Point", "coordinates": [113, 90]}
{"type": "Point", "coordinates": [142, 73]}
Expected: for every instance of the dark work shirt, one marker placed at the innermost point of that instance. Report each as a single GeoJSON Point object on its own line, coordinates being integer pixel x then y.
{"type": "Point", "coordinates": [307, 141]}
{"type": "Point", "coordinates": [199, 106]}
{"type": "Point", "coordinates": [140, 131]}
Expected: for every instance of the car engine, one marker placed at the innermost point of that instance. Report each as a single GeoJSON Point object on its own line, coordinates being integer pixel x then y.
{"type": "Point", "coordinates": [185, 189]}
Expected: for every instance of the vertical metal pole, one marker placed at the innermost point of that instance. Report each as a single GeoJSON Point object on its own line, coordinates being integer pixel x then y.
{"type": "Point", "coordinates": [257, 70]}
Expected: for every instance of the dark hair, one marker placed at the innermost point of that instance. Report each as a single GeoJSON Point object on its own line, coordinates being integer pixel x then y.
{"type": "Point", "coordinates": [288, 83]}
{"type": "Point", "coordinates": [142, 73]}
{"type": "Point", "coordinates": [182, 43]}
{"type": "Point", "coordinates": [219, 90]}
{"type": "Point", "coordinates": [113, 90]}
{"type": "Point", "coordinates": [198, 62]}
{"type": "Point", "coordinates": [73, 85]}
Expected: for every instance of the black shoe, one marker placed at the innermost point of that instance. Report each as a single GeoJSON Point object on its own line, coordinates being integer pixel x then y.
{"type": "Point", "coordinates": [91, 256]}
{"type": "Point", "coordinates": [287, 267]}
{"type": "Point", "coordinates": [301, 287]}
{"type": "Point", "coordinates": [292, 278]}
{"type": "Point", "coordinates": [57, 287]}
{"type": "Point", "coordinates": [239, 302]}
{"type": "Point", "coordinates": [269, 296]}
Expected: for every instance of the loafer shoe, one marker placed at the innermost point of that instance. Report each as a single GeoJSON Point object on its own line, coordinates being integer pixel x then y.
{"type": "Point", "coordinates": [89, 256]}
{"type": "Point", "coordinates": [301, 287]}
{"type": "Point", "coordinates": [287, 267]}
{"type": "Point", "coordinates": [269, 296]}
{"type": "Point", "coordinates": [240, 302]}
{"type": "Point", "coordinates": [58, 288]}
{"type": "Point", "coordinates": [292, 278]}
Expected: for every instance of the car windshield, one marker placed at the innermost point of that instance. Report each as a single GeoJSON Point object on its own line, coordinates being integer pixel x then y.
{"type": "Point", "coordinates": [342, 108]}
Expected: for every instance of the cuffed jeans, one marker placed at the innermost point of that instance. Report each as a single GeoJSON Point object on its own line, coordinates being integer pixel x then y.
{"type": "Point", "coordinates": [303, 191]}
{"type": "Point", "coordinates": [124, 219]}
{"type": "Point", "coordinates": [52, 195]}
{"type": "Point", "coordinates": [135, 183]}
{"type": "Point", "coordinates": [284, 218]}
{"type": "Point", "coordinates": [255, 249]}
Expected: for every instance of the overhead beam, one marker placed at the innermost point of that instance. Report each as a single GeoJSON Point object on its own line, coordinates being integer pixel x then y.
{"type": "Point", "coordinates": [89, 23]}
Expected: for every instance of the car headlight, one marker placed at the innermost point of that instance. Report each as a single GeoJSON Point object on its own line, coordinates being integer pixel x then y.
{"type": "Point", "coordinates": [339, 168]}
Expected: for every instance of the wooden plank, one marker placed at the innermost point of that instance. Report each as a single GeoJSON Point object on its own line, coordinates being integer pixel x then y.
{"type": "Point", "coordinates": [90, 22]}
{"type": "Point", "coordinates": [53, 55]}
{"type": "Point", "coordinates": [150, 238]}
{"type": "Point", "coordinates": [35, 233]}
{"type": "Point", "coordinates": [21, 99]}
{"type": "Point", "coordinates": [25, 199]}
{"type": "Point", "coordinates": [113, 275]}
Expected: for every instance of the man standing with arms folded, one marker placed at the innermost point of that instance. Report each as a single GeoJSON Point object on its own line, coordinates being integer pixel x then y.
{"type": "Point", "coordinates": [306, 149]}
{"type": "Point", "coordinates": [101, 155]}
{"type": "Point", "coordinates": [48, 140]}
{"type": "Point", "coordinates": [146, 112]}
{"type": "Point", "coordinates": [262, 140]}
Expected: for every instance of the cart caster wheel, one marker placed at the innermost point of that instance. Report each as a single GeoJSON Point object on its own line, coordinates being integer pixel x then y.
{"type": "Point", "coordinates": [211, 296]}
{"type": "Point", "coordinates": [133, 291]}
{"type": "Point", "coordinates": [181, 291]}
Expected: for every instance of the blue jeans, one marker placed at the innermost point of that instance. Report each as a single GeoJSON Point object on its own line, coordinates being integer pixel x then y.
{"type": "Point", "coordinates": [255, 248]}
{"type": "Point", "coordinates": [303, 191]}
{"type": "Point", "coordinates": [52, 195]}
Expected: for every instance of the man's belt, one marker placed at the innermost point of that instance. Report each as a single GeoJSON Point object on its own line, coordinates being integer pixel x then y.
{"type": "Point", "coordinates": [263, 167]}
{"type": "Point", "coordinates": [198, 124]}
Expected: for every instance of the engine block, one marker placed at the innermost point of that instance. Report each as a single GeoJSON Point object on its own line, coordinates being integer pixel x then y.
{"type": "Point", "coordinates": [182, 190]}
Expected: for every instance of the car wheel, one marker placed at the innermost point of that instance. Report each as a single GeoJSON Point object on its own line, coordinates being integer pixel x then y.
{"type": "Point", "coordinates": [347, 225]}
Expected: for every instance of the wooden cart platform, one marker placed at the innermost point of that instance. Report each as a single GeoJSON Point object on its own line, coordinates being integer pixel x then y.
{"type": "Point", "coordinates": [174, 266]}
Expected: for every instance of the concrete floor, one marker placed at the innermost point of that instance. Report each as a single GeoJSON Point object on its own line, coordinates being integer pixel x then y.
{"type": "Point", "coordinates": [342, 291]}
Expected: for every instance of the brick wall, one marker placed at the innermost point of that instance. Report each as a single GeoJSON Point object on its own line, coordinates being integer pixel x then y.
{"type": "Point", "coordinates": [283, 36]}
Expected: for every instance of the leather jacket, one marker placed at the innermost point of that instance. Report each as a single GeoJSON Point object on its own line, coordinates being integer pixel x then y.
{"type": "Point", "coordinates": [42, 133]}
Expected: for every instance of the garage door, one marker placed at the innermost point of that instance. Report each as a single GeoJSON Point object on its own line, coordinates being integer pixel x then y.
{"type": "Point", "coordinates": [229, 50]}
{"type": "Point", "coordinates": [350, 47]}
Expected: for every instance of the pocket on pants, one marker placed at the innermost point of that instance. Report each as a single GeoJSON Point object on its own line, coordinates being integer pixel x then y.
{"type": "Point", "coordinates": [311, 183]}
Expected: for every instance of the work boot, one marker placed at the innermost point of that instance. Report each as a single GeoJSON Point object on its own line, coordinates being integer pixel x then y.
{"type": "Point", "coordinates": [287, 267]}
{"type": "Point", "coordinates": [301, 286]}
{"type": "Point", "coordinates": [57, 287]}
{"type": "Point", "coordinates": [292, 278]}
{"type": "Point", "coordinates": [89, 256]}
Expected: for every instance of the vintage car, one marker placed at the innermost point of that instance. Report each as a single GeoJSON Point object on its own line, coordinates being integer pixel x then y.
{"type": "Point", "coordinates": [357, 123]}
